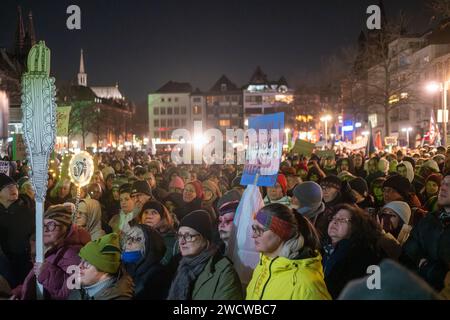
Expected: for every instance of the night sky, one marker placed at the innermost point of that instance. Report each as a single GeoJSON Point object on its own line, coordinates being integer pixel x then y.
{"type": "Point", "coordinates": [143, 44]}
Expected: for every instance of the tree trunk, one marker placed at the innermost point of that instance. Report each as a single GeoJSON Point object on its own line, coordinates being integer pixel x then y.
{"type": "Point", "coordinates": [386, 120]}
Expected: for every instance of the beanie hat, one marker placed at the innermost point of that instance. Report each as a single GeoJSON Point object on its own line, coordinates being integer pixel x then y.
{"type": "Point", "coordinates": [229, 202]}
{"type": "Point", "coordinates": [281, 179]}
{"type": "Point", "coordinates": [436, 177]}
{"type": "Point", "coordinates": [399, 184]}
{"type": "Point", "coordinates": [345, 175]}
{"type": "Point", "coordinates": [331, 181]}
{"type": "Point", "coordinates": [103, 253]}
{"type": "Point", "coordinates": [200, 221]}
{"type": "Point", "coordinates": [176, 182]}
{"type": "Point", "coordinates": [198, 188]}
{"type": "Point", "coordinates": [309, 194]}
{"type": "Point", "coordinates": [401, 208]}
{"type": "Point", "coordinates": [5, 181]}
{"type": "Point", "coordinates": [141, 187]}
{"type": "Point", "coordinates": [277, 225]}
{"type": "Point", "coordinates": [432, 165]}
{"type": "Point", "coordinates": [125, 188]}
{"type": "Point", "coordinates": [152, 204]}
{"type": "Point", "coordinates": [359, 185]}
{"type": "Point", "coordinates": [59, 213]}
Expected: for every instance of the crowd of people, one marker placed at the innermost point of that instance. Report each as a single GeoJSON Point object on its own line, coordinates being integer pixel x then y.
{"type": "Point", "coordinates": [146, 228]}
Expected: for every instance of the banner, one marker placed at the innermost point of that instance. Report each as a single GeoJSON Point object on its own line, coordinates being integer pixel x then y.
{"type": "Point", "coordinates": [62, 121]}
{"type": "Point", "coordinates": [18, 148]}
{"type": "Point", "coordinates": [302, 147]}
{"type": "Point", "coordinates": [326, 153]}
{"type": "Point", "coordinates": [4, 167]}
{"type": "Point", "coordinates": [4, 115]}
{"type": "Point", "coordinates": [265, 134]}
{"type": "Point", "coordinates": [390, 141]}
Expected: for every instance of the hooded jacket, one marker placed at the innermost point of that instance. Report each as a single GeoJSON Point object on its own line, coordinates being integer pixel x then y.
{"type": "Point", "coordinates": [53, 275]}
{"type": "Point", "coordinates": [409, 170]}
{"type": "Point", "coordinates": [284, 279]}
{"type": "Point", "coordinates": [94, 218]}
{"type": "Point", "coordinates": [148, 273]}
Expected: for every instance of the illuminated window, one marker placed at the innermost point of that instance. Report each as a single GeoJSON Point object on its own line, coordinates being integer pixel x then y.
{"type": "Point", "coordinates": [393, 99]}
{"type": "Point", "coordinates": [404, 95]}
{"type": "Point", "coordinates": [224, 123]}
{"type": "Point", "coordinates": [197, 110]}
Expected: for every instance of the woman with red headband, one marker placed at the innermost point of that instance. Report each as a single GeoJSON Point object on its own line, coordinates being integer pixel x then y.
{"type": "Point", "coordinates": [290, 265]}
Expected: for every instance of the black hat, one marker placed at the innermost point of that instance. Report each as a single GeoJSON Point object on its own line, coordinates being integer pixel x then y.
{"type": "Point", "coordinates": [125, 188]}
{"type": "Point", "coordinates": [229, 202]}
{"type": "Point", "coordinates": [155, 205]}
{"type": "Point", "coordinates": [399, 184]}
{"type": "Point", "coordinates": [141, 187]}
{"type": "Point", "coordinates": [332, 181]}
{"type": "Point", "coordinates": [6, 181]}
{"type": "Point", "coordinates": [359, 185]}
{"type": "Point", "coordinates": [200, 221]}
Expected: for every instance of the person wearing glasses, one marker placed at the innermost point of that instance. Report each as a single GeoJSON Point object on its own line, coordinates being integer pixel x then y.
{"type": "Point", "coordinates": [142, 250]}
{"type": "Point", "coordinates": [16, 227]}
{"type": "Point", "coordinates": [203, 272]}
{"type": "Point", "coordinates": [350, 248]}
{"type": "Point", "coordinates": [290, 265]}
{"type": "Point", "coordinates": [62, 243]}
{"type": "Point", "coordinates": [102, 276]}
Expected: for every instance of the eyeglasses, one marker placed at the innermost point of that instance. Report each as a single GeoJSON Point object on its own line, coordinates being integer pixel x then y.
{"type": "Point", "coordinates": [134, 239]}
{"type": "Point", "coordinates": [85, 265]}
{"type": "Point", "coordinates": [51, 226]}
{"type": "Point", "coordinates": [258, 231]}
{"type": "Point", "coordinates": [340, 220]}
{"type": "Point", "coordinates": [187, 237]}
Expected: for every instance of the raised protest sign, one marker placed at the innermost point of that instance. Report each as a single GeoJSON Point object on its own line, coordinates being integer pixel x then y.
{"type": "Point", "coordinates": [302, 147]}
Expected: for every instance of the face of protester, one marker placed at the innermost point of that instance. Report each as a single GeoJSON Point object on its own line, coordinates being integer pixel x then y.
{"type": "Point", "coordinates": [390, 194]}
{"type": "Point", "coordinates": [292, 181]}
{"type": "Point", "coordinates": [344, 166]}
{"type": "Point", "coordinates": [275, 193]}
{"type": "Point", "coordinates": [378, 193]}
{"type": "Point", "coordinates": [134, 240]}
{"type": "Point", "coordinates": [89, 275]}
{"type": "Point", "coordinates": [95, 192]}
{"type": "Point", "coordinates": [189, 193]}
{"type": "Point", "coordinates": [226, 225]}
{"type": "Point", "coordinates": [54, 232]}
{"type": "Point", "coordinates": [191, 242]}
{"type": "Point", "coordinates": [358, 161]}
{"type": "Point", "coordinates": [329, 163]}
{"type": "Point", "coordinates": [96, 178]}
{"type": "Point", "coordinates": [140, 199]}
{"type": "Point", "coordinates": [373, 166]}
{"type": "Point", "coordinates": [81, 219]}
{"type": "Point", "coordinates": [208, 194]}
{"type": "Point", "coordinates": [401, 170]}
{"type": "Point", "coordinates": [151, 180]}
{"type": "Point", "coordinates": [329, 193]}
{"type": "Point", "coordinates": [175, 190]}
{"type": "Point", "coordinates": [109, 183]}
{"type": "Point", "coordinates": [9, 194]}
{"type": "Point", "coordinates": [50, 184]}
{"type": "Point", "coordinates": [150, 217]}
{"type": "Point", "coordinates": [117, 167]}
{"type": "Point", "coordinates": [126, 202]}
{"type": "Point", "coordinates": [116, 194]}
{"type": "Point", "coordinates": [193, 176]}
{"type": "Point", "coordinates": [65, 190]}
{"type": "Point", "coordinates": [340, 227]}
{"type": "Point", "coordinates": [266, 241]}
{"type": "Point", "coordinates": [389, 220]}
{"type": "Point", "coordinates": [29, 190]}
{"type": "Point", "coordinates": [431, 188]}
{"type": "Point", "coordinates": [444, 193]}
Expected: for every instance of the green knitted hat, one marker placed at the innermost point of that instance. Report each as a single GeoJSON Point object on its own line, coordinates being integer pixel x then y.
{"type": "Point", "coordinates": [103, 253]}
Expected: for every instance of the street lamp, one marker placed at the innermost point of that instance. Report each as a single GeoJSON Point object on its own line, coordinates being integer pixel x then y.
{"type": "Point", "coordinates": [407, 130]}
{"type": "Point", "coordinates": [434, 87]}
{"type": "Point", "coordinates": [325, 119]}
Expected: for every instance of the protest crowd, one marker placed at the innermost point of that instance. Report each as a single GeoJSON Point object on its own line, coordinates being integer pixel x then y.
{"type": "Point", "coordinates": [146, 228]}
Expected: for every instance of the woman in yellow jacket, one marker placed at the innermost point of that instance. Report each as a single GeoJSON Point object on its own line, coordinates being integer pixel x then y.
{"type": "Point", "coordinates": [290, 266]}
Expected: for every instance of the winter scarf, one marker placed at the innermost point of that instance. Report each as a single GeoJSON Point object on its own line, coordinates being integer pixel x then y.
{"type": "Point", "coordinates": [188, 271]}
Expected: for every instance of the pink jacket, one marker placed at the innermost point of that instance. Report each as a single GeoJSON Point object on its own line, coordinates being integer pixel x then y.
{"type": "Point", "coordinates": [53, 276]}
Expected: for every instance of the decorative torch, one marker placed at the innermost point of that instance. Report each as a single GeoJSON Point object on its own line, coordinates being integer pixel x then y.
{"type": "Point", "coordinates": [39, 126]}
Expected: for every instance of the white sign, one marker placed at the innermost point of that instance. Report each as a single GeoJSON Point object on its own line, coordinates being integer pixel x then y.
{"type": "Point", "coordinates": [440, 116]}
{"type": "Point", "coordinates": [81, 168]}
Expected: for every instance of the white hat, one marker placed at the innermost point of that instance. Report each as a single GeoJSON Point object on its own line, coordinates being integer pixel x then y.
{"type": "Point", "coordinates": [401, 208]}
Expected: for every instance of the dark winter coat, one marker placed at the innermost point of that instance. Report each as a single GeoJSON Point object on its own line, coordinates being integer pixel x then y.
{"type": "Point", "coordinates": [187, 208]}
{"type": "Point", "coordinates": [150, 277]}
{"type": "Point", "coordinates": [430, 240]}
{"type": "Point", "coordinates": [17, 224]}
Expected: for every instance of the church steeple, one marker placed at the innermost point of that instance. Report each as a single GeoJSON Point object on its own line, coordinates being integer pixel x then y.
{"type": "Point", "coordinates": [31, 31]}
{"type": "Point", "coordinates": [20, 34]}
{"type": "Point", "coordinates": [82, 76]}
